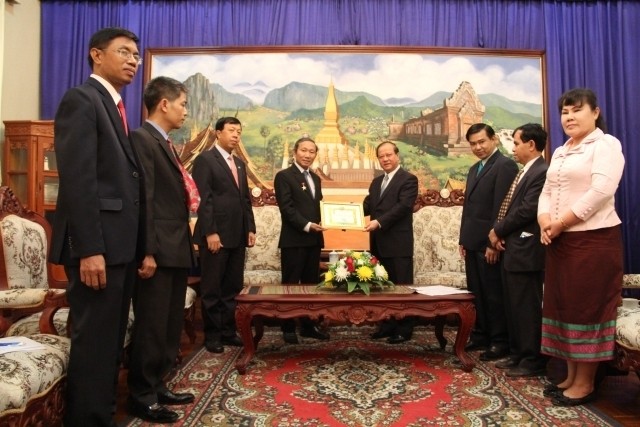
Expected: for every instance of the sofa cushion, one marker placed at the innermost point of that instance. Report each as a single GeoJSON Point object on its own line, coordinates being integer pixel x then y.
{"type": "Point", "coordinates": [24, 375]}
{"type": "Point", "coordinates": [628, 328]}
{"type": "Point", "coordinates": [265, 255]}
{"type": "Point", "coordinates": [25, 252]}
{"type": "Point", "coordinates": [436, 260]}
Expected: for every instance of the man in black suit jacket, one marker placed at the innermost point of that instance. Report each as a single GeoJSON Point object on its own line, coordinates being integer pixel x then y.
{"type": "Point", "coordinates": [391, 229]}
{"type": "Point", "coordinates": [224, 229]}
{"type": "Point", "coordinates": [487, 184]}
{"type": "Point", "coordinates": [298, 191]}
{"type": "Point", "coordinates": [96, 224]}
{"type": "Point", "coordinates": [159, 293]}
{"type": "Point", "coordinates": [517, 235]}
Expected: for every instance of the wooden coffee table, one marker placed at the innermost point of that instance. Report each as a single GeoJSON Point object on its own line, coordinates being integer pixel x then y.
{"type": "Point", "coordinates": [285, 302]}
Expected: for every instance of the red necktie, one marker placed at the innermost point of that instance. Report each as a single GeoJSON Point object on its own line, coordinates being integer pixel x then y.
{"type": "Point", "coordinates": [190, 188]}
{"type": "Point", "coordinates": [123, 116]}
{"type": "Point", "coordinates": [234, 171]}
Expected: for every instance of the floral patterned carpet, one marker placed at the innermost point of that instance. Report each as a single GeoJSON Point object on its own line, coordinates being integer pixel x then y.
{"type": "Point", "coordinates": [354, 381]}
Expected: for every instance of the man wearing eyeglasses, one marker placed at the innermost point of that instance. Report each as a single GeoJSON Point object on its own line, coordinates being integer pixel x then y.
{"type": "Point", "coordinates": [95, 229]}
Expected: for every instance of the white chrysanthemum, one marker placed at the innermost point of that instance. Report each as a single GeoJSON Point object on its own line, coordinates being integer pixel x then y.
{"type": "Point", "coordinates": [361, 261]}
{"type": "Point", "coordinates": [380, 272]}
{"type": "Point", "coordinates": [341, 273]}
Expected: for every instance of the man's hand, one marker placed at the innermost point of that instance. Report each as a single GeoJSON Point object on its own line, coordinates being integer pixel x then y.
{"type": "Point", "coordinates": [492, 256]}
{"type": "Point", "coordinates": [316, 228]}
{"type": "Point", "coordinates": [148, 267]}
{"type": "Point", "coordinates": [213, 243]}
{"type": "Point", "coordinates": [496, 242]}
{"type": "Point", "coordinates": [251, 239]}
{"type": "Point", "coordinates": [93, 272]}
{"type": "Point", "coordinates": [462, 251]}
{"type": "Point", "coordinates": [372, 225]}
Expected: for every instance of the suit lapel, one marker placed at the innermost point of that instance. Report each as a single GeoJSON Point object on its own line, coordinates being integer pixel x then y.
{"type": "Point", "coordinates": [115, 118]}
{"type": "Point", "coordinates": [164, 145]}
{"type": "Point", "coordinates": [222, 161]}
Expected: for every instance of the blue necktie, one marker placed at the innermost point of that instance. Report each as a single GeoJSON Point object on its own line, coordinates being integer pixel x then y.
{"type": "Point", "coordinates": [480, 166]}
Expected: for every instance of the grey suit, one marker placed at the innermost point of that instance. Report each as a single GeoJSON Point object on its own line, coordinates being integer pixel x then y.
{"type": "Point", "coordinates": [483, 196]}
{"type": "Point", "coordinates": [523, 268]}
{"type": "Point", "coordinates": [97, 212]}
{"type": "Point", "coordinates": [159, 300]}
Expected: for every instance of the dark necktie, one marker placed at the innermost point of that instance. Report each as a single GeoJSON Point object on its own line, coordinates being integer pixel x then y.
{"type": "Point", "coordinates": [307, 177]}
{"type": "Point", "coordinates": [190, 187]}
{"type": "Point", "coordinates": [507, 199]}
{"type": "Point", "coordinates": [480, 167]}
{"type": "Point", "coordinates": [123, 116]}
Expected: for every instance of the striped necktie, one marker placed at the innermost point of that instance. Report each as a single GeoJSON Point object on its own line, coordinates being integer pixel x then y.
{"type": "Point", "coordinates": [385, 182]}
{"type": "Point", "coordinates": [507, 199]}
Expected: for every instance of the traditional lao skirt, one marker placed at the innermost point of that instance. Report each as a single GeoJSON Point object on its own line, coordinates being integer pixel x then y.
{"type": "Point", "coordinates": [583, 284]}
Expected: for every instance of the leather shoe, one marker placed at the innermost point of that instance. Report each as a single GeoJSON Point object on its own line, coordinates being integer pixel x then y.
{"type": "Point", "coordinates": [168, 397]}
{"type": "Point", "coordinates": [552, 390]}
{"type": "Point", "coordinates": [314, 332]}
{"type": "Point", "coordinates": [519, 371]}
{"type": "Point", "coordinates": [494, 353]}
{"type": "Point", "coordinates": [397, 339]}
{"type": "Point", "coordinates": [473, 345]}
{"type": "Point", "coordinates": [214, 346]}
{"type": "Point", "coordinates": [562, 400]}
{"type": "Point", "coordinates": [155, 413]}
{"type": "Point", "coordinates": [233, 341]}
{"type": "Point", "coordinates": [506, 363]}
{"type": "Point", "coordinates": [381, 333]}
{"type": "Point", "coordinates": [290, 337]}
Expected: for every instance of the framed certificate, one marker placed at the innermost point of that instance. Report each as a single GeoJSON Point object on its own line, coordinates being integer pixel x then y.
{"type": "Point", "coordinates": [342, 215]}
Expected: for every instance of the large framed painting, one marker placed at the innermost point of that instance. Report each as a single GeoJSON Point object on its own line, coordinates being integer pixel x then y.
{"type": "Point", "coordinates": [349, 99]}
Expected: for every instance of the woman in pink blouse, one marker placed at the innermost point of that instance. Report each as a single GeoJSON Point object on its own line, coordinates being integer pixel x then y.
{"type": "Point", "coordinates": [584, 262]}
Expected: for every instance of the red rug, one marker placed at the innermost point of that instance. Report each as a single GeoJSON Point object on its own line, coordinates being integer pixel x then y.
{"type": "Point", "coordinates": [353, 381]}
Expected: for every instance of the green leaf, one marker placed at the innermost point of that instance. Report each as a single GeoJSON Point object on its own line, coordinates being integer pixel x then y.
{"type": "Point", "coordinates": [365, 288]}
{"type": "Point", "coordinates": [351, 286]}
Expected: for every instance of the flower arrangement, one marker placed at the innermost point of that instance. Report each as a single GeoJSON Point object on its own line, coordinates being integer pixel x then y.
{"type": "Point", "coordinates": [356, 270]}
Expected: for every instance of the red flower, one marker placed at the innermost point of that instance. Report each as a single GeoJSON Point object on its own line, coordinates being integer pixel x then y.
{"type": "Point", "coordinates": [373, 260]}
{"type": "Point", "coordinates": [349, 262]}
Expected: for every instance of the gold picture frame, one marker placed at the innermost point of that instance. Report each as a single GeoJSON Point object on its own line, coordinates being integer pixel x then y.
{"type": "Point", "coordinates": [342, 215]}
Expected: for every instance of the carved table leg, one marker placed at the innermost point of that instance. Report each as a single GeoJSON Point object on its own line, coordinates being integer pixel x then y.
{"type": "Point", "coordinates": [243, 323]}
{"type": "Point", "coordinates": [467, 315]}
{"type": "Point", "coordinates": [439, 327]}
{"type": "Point", "coordinates": [258, 325]}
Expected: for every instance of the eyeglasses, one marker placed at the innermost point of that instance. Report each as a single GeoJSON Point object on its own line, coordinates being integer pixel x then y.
{"type": "Point", "coordinates": [126, 55]}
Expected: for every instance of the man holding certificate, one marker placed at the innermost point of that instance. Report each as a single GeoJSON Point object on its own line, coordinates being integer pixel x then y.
{"type": "Point", "coordinates": [298, 193]}
{"type": "Point", "coordinates": [390, 204]}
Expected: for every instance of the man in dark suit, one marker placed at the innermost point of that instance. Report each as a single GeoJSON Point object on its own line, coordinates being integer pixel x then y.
{"type": "Point", "coordinates": [224, 229]}
{"type": "Point", "coordinates": [517, 235]}
{"type": "Point", "coordinates": [299, 192]}
{"type": "Point", "coordinates": [390, 205]}
{"type": "Point", "coordinates": [487, 184]}
{"type": "Point", "coordinates": [96, 224]}
{"type": "Point", "coordinates": [159, 293]}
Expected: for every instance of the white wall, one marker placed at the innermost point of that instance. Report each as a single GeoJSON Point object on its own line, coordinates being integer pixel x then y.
{"type": "Point", "coordinates": [19, 62]}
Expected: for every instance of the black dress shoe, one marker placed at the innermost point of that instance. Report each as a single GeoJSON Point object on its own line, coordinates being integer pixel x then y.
{"type": "Point", "coordinates": [381, 333]}
{"type": "Point", "coordinates": [314, 332]}
{"type": "Point", "coordinates": [519, 371]}
{"type": "Point", "coordinates": [552, 390]}
{"type": "Point", "coordinates": [214, 346]}
{"type": "Point", "coordinates": [507, 363]}
{"type": "Point", "coordinates": [494, 353]}
{"type": "Point", "coordinates": [233, 341]}
{"type": "Point", "coordinates": [168, 397]}
{"type": "Point", "coordinates": [290, 337]}
{"type": "Point", "coordinates": [562, 400]}
{"type": "Point", "coordinates": [397, 339]}
{"type": "Point", "coordinates": [155, 413]}
{"type": "Point", "coordinates": [473, 345]}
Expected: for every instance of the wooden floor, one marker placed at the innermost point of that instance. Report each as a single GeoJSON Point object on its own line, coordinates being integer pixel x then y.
{"type": "Point", "coordinates": [618, 396]}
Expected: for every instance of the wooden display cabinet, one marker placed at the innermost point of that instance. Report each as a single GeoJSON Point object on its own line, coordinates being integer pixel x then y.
{"type": "Point", "coordinates": [29, 164]}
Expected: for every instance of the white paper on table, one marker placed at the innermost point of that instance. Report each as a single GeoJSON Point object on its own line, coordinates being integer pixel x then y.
{"type": "Point", "coordinates": [10, 344]}
{"type": "Point", "coordinates": [436, 290]}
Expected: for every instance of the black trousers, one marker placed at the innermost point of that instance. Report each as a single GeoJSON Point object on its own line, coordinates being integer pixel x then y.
{"type": "Point", "coordinates": [300, 265]}
{"type": "Point", "coordinates": [158, 305]}
{"type": "Point", "coordinates": [523, 307]}
{"type": "Point", "coordinates": [98, 326]}
{"type": "Point", "coordinates": [485, 282]}
{"type": "Point", "coordinates": [222, 276]}
{"type": "Point", "coordinates": [400, 270]}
